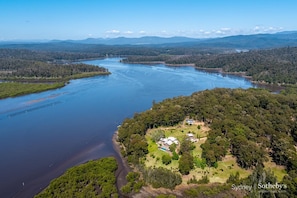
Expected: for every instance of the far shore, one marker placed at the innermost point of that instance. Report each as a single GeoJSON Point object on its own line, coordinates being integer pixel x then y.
{"type": "Point", "coordinates": [260, 84]}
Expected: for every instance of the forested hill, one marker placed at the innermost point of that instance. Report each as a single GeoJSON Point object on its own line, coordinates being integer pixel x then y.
{"type": "Point", "coordinates": [43, 70]}
{"type": "Point", "coordinates": [271, 66]}
{"type": "Point", "coordinates": [27, 65]}
{"type": "Point", "coordinates": [44, 55]}
{"type": "Point", "coordinates": [252, 124]}
{"type": "Point", "coordinates": [264, 122]}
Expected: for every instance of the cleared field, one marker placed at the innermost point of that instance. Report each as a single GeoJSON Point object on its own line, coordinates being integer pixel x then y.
{"type": "Point", "coordinates": [216, 175]}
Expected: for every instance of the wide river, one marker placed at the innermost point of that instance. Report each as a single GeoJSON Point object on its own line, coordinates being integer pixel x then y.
{"type": "Point", "coordinates": [43, 134]}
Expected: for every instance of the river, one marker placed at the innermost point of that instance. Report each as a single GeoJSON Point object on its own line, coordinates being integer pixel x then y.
{"type": "Point", "coordinates": [43, 134]}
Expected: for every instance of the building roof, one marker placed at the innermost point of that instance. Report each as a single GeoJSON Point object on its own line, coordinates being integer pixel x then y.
{"type": "Point", "coordinates": [171, 138]}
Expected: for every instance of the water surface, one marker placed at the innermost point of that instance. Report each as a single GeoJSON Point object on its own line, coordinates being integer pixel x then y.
{"type": "Point", "coordinates": [43, 134]}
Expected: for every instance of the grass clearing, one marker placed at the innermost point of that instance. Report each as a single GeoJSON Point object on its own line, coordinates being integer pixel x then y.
{"type": "Point", "coordinates": [220, 174]}
{"type": "Point", "coordinates": [279, 171]}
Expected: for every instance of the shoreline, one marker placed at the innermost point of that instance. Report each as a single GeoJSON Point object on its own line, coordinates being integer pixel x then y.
{"type": "Point", "coordinates": [271, 87]}
{"type": "Point", "coordinates": [123, 166]}
{"type": "Point", "coordinates": [58, 83]}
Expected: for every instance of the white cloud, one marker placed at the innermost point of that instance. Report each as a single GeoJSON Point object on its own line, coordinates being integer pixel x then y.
{"type": "Point", "coordinates": [219, 32]}
{"type": "Point", "coordinates": [257, 28]}
{"type": "Point", "coordinates": [273, 29]}
{"type": "Point", "coordinates": [113, 32]}
{"type": "Point", "coordinates": [197, 33]}
{"type": "Point", "coordinates": [128, 32]}
{"type": "Point", "coordinates": [264, 29]}
{"type": "Point", "coordinates": [142, 32]}
{"type": "Point", "coordinates": [225, 29]}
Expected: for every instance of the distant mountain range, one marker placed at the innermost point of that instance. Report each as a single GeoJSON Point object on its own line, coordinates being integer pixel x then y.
{"type": "Point", "coordinates": [256, 41]}
{"type": "Point", "coordinates": [241, 41]}
{"type": "Point", "coordinates": [147, 40]}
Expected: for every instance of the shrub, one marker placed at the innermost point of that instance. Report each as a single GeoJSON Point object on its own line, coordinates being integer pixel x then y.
{"type": "Point", "coordinates": [166, 159]}
{"type": "Point", "coordinates": [161, 177]}
{"type": "Point", "coordinates": [175, 156]}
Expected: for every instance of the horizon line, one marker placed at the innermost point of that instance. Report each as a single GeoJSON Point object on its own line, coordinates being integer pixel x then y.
{"type": "Point", "coordinates": [138, 37]}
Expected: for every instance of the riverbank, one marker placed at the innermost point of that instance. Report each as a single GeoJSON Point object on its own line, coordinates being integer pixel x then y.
{"type": "Point", "coordinates": [13, 89]}
{"type": "Point", "coordinates": [123, 166]}
{"type": "Point", "coordinates": [19, 87]}
{"type": "Point", "coordinates": [261, 84]}
{"type": "Point", "coordinates": [86, 111]}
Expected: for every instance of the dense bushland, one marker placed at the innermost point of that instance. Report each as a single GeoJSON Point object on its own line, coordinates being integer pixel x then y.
{"type": "Point", "coordinates": [92, 179]}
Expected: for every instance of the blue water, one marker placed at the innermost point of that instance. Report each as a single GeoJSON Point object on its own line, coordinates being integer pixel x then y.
{"type": "Point", "coordinates": [43, 134]}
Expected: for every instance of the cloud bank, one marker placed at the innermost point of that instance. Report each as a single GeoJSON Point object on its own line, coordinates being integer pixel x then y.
{"type": "Point", "coordinates": [199, 33]}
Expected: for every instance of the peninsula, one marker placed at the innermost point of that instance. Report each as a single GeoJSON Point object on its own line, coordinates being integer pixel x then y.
{"type": "Point", "coordinates": [23, 73]}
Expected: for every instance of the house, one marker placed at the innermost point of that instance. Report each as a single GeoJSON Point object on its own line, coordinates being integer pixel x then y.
{"type": "Point", "coordinates": [191, 137]}
{"type": "Point", "coordinates": [190, 121]}
{"type": "Point", "coordinates": [165, 143]}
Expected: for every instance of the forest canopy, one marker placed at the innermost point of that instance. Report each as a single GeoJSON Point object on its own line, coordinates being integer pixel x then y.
{"type": "Point", "coordinates": [40, 71]}
{"type": "Point", "coordinates": [254, 124]}
{"type": "Point", "coordinates": [276, 66]}
{"type": "Point", "coordinates": [92, 179]}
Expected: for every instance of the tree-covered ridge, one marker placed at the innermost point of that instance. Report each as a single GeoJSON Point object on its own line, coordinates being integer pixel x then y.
{"type": "Point", "coordinates": [37, 67]}
{"type": "Point", "coordinates": [26, 65]}
{"type": "Point", "coordinates": [51, 56]}
{"type": "Point", "coordinates": [253, 124]}
{"type": "Point", "coordinates": [271, 66]}
{"type": "Point", "coordinates": [22, 69]}
{"type": "Point", "coordinates": [92, 179]}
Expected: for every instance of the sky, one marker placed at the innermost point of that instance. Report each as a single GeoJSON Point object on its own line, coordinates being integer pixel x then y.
{"type": "Point", "coordinates": [81, 19]}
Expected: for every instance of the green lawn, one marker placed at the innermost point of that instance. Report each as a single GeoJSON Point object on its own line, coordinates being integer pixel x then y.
{"type": "Point", "coordinates": [220, 174]}
{"type": "Point", "coordinates": [279, 171]}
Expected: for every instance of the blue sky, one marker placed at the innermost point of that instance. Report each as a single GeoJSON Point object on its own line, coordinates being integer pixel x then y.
{"type": "Point", "coordinates": [80, 19]}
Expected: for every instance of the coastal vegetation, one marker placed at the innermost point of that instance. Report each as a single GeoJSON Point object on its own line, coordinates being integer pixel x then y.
{"type": "Point", "coordinates": [249, 130]}
{"type": "Point", "coordinates": [31, 70]}
{"type": "Point", "coordinates": [12, 89]}
{"type": "Point", "coordinates": [273, 66]}
{"type": "Point", "coordinates": [134, 183]}
{"type": "Point", "coordinates": [92, 179]}
{"type": "Point", "coordinates": [25, 71]}
{"type": "Point", "coordinates": [243, 136]}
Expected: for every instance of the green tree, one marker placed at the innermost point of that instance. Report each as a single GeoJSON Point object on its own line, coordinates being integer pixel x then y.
{"type": "Point", "coordinates": [234, 179]}
{"type": "Point", "coordinates": [172, 147]}
{"type": "Point", "coordinates": [185, 146]}
{"type": "Point", "coordinates": [175, 156]}
{"type": "Point", "coordinates": [157, 135]}
{"type": "Point", "coordinates": [290, 181]}
{"type": "Point", "coordinates": [200, 163]}
{"type": "Point", "coordinates": [161, 177]}
{"type": "Point", "coordinates": [185, 163]}
{"type": "Point", "coordinates": [166, 159]}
